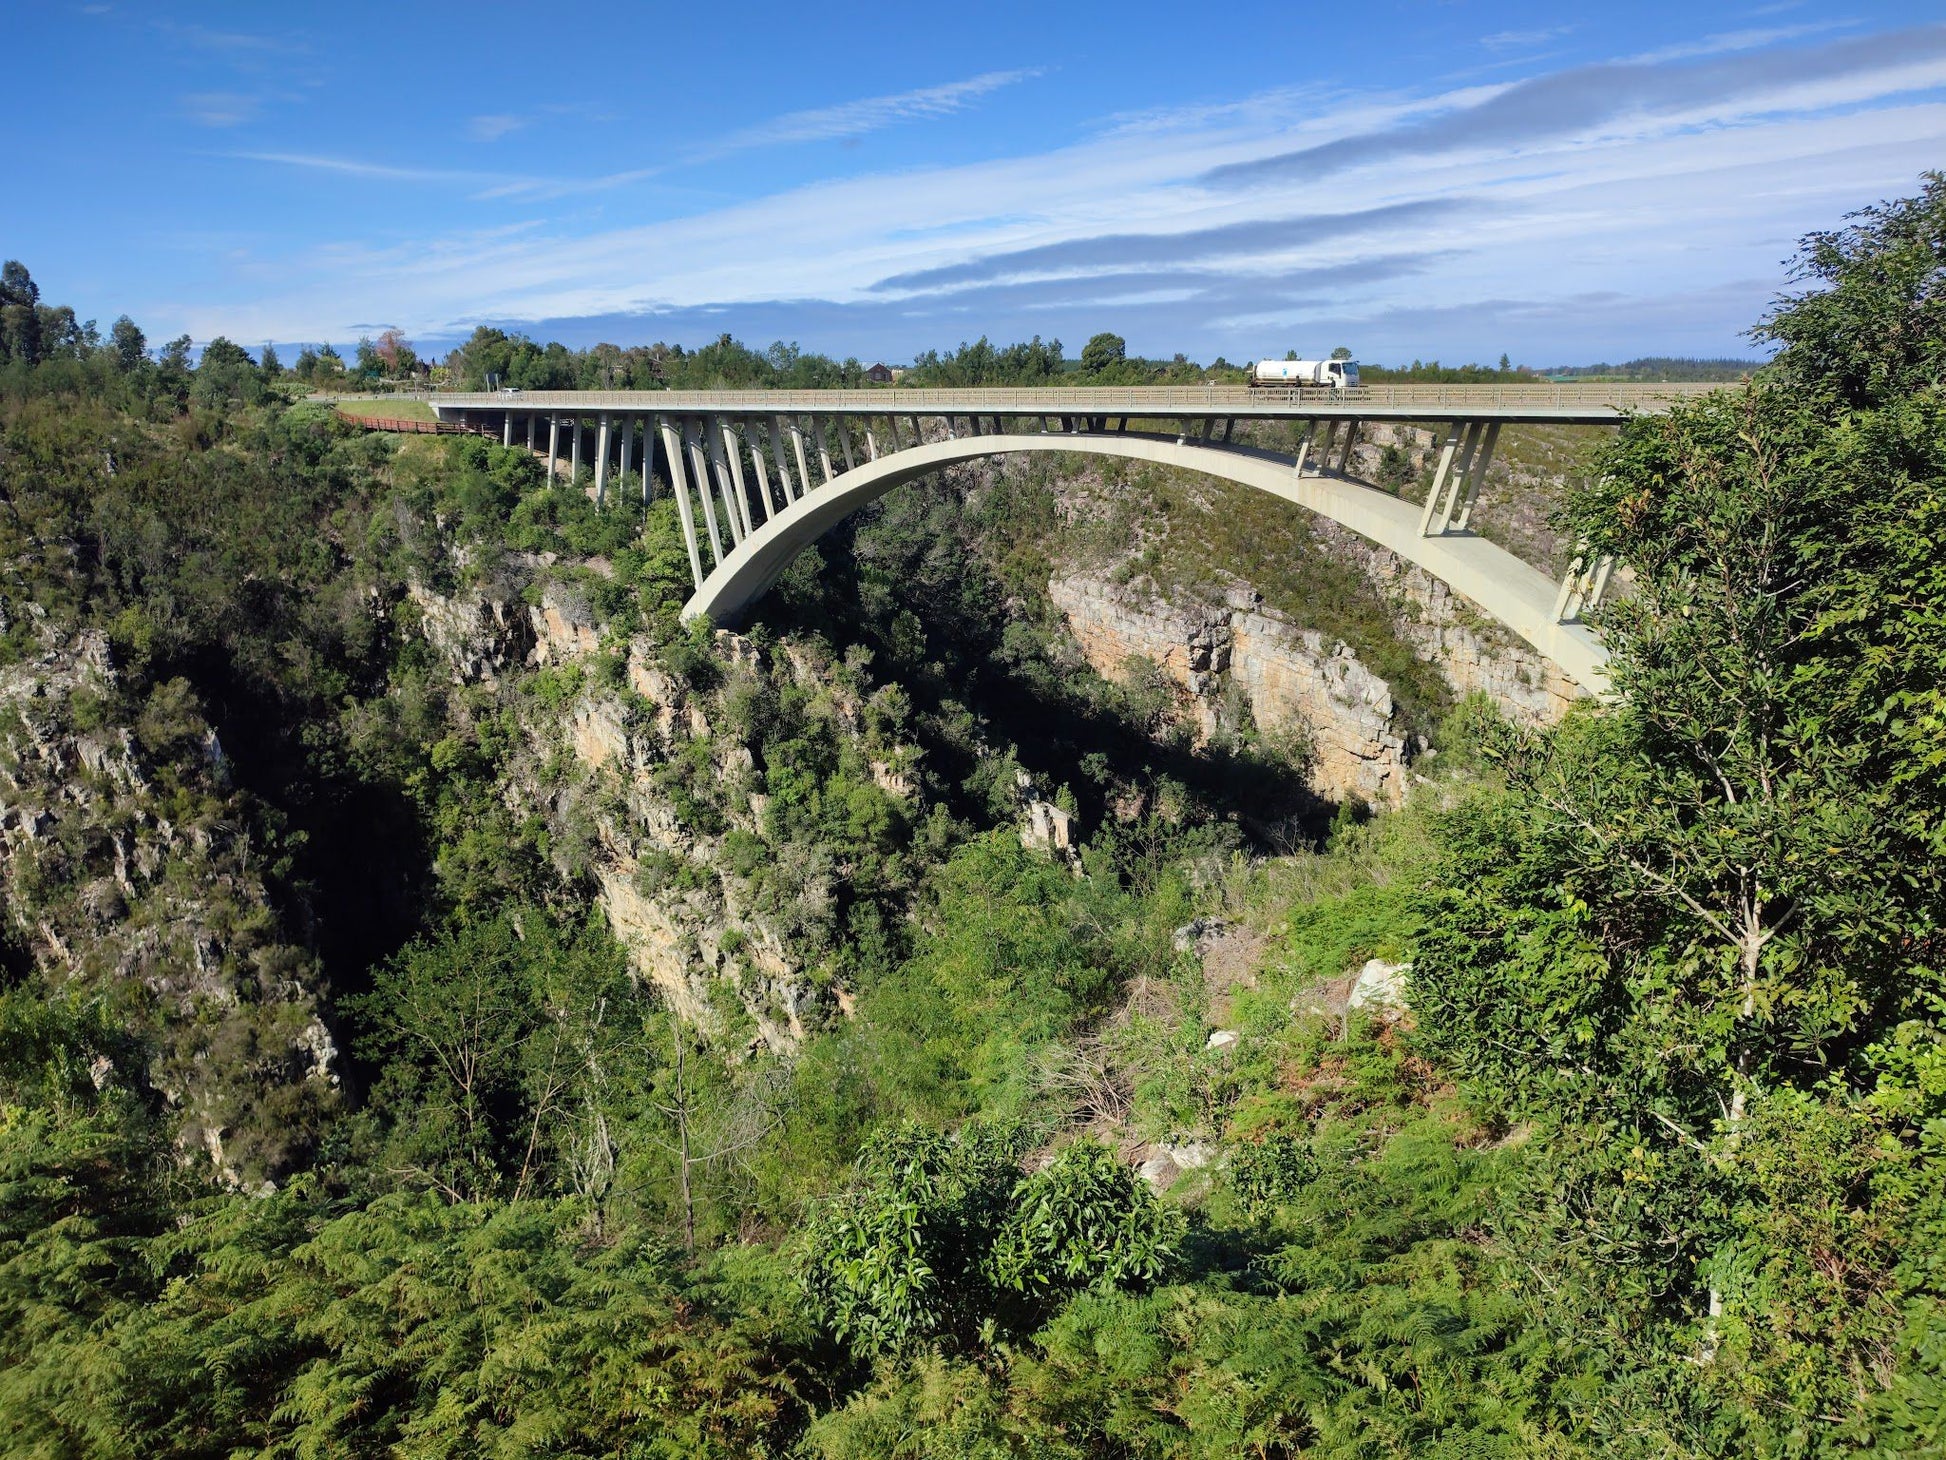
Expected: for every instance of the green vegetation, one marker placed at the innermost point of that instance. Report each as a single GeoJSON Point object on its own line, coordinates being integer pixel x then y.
{"type": "Point", "coordinates": [336, 1117]}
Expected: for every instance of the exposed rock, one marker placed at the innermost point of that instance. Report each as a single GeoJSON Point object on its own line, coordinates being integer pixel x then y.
{"type": "Point", "coordinates": [1165, 1164]}
{"type": "Point", "coordinates": [1045, 825]}
{"type": "Point", "coordinates": [1190, 936]}
{"type": "Point", "coordinates": [1448, 631]}
{"type": "Point", "coordinates": [596, 732]}
{"type": "Point", "coordinates": [1379, 985]}
{"type": "Point", "coordinates": [1048, 827]}
{"type": "Point", "coordinates": [564, 626]}
{"type": "Point", "coordinates": [1221, 1039]}
{"type": "Point", "coordinates": [1292, 678]}
{"type": "Point", "coordinates": [479, 635]}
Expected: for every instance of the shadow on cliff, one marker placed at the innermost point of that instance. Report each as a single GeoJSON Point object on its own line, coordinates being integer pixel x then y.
{"type": "Point", "coordinates": [902, 579]}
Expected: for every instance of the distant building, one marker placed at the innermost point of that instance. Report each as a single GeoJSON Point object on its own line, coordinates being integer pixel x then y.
{"type": "Point", "coordinates": [880, 375]}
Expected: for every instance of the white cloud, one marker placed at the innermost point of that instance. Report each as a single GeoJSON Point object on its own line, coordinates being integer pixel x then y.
{"type": "Point", "coordinates": [493, 128]}
{"type": "Point", "coordinates": [856, 118]}
{"type": "Point", "coordinates": [1521, 40]}
{"type": "Point", "coordinates": [1697, 203]}
{"type": "Point", "coordinates": [381, 171]}
{"type": "Point", "coordinates": [221, 108]}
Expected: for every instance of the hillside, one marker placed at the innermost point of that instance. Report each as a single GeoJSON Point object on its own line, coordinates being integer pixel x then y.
{"type": "Point", "coordinates": [1098, 965]}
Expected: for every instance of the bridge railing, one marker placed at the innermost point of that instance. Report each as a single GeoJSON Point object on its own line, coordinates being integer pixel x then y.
{"type": "Point", "coordinates": [1155, 400]}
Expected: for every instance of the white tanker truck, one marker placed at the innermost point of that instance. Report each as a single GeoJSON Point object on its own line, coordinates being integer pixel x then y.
{"type": "Point", "coordinates": [1329, 374]}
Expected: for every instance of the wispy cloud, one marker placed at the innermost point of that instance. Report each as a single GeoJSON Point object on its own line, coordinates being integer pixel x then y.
{"type": "Point", "coordinates": [221, 108]}
{"type": "Point", "coordinates": [230, 43]}
{"type": "Point", "coordinates": [387, 172]}
{"type": "Point", "coordinates": [1564, 103]}
{"type": "Point", "coordinates": [1738, 40]}
{"type": "Point", "coordinates": [493, 128]}
{"type": "Point", "coordinates": [871, 114]}
{"type": "Point", "coordinates": [1231, 240]}
{"type": "Point", "coordinates": [850, 119]}
{"type": "Point", "coordinates": [1521, 40]}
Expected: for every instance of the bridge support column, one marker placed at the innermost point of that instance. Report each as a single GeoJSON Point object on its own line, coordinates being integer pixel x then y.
{"type": "Point", "coordinates": [1351, 442]}
{"type": "Point", "coordinates": [1444, 469]}
{"type": "Point", "coordinates": [763, 480]}
{"type": "Point", "coordinates": [843, 433]}
{"type": "Point", "coordinates": [506, 428]}
{"type": "Point", "coordinates": [730, 483]}
{"type": "Point", "coordinates": [1330, 436]}
{"type": "Point", "coordinates": [628, 448]}
{"type": "Point", "coordinates": [1456, 484]}
{"type": "Point", "coordinates": [601, 459]}
{"type": "Point", "coordinates": [672, 449]}
{"type": "Point", "coordinates": [574, 462]}
{"type": "Point", "coordinates": [1582, 588]}
{"type": "Point", "coordinates": [820, 433]}
{"type": "Point", "coordinates": [803, 465]}
{"type": "Point", "coordinates": [871, 443]}
{"type": "Point", "coordinates": [1479, 475]}
{"type": "Point", "coordinates": [1304, 447]}
{"type": "Point", "coordinates": [783, 466]}
{"type": "Point", "coordinates": [530, 430]}
{"type": "Point", "coordinates": [699, 466]}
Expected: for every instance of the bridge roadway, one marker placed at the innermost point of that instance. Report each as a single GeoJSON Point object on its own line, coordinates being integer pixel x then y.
{"type": "Point", "coordinates": [758, 475]}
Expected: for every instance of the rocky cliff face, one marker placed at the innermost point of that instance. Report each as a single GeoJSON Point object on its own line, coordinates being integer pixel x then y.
{"type": "Point", "coordinates": [1291, 678]}
{"type": "Point", "coordinates": [1472, 652]}
{"type": "Point", "coordinates": [726, 948]}
{"type": "Point", "coordinates": [131, 878]}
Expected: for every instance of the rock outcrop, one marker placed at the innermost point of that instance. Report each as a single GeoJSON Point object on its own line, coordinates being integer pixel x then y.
{"type": "Point", "coordinates": [1291, 677]}
{"type": "Point", "coordinates": [1473, 653]}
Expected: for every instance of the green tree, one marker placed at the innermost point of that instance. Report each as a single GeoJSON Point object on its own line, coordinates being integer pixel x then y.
{"type": "Point", "coordinates": [129, 343]}
{"type": "Point", "coordinates": [1708, 913]}
{"type": "Point", "coordinates": [497, 1040]}
{"type": "Point", "coordinates": [1103, 352]}
{"type": "Point", "coordinates": [1083, 1222]}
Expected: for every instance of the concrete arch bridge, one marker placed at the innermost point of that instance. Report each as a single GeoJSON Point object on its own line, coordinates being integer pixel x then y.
{"type": "Point", "coordinates": [760, 475]}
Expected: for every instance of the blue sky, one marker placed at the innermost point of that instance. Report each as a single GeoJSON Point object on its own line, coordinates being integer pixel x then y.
{"type": "Point", "coordinates": [1449, 178]}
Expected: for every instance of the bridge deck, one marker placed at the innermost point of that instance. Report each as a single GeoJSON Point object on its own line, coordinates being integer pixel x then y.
{"type": "Point", "coordinates": [1602, 404]}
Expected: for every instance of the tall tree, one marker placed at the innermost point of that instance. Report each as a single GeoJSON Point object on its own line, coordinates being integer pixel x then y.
{"type": "Point", "coordinates": [130, 344]}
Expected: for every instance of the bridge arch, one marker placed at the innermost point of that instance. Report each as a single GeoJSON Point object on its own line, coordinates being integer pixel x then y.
{"type": "Point", "coordinates": [1519, 596]}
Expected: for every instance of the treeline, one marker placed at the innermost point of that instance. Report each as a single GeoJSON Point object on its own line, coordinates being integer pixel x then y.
{"type": "Point", "coordinates": [1658, 368]}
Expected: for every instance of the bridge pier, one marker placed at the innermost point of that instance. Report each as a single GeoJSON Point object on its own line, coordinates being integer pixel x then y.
{"type": "Point", "coordinates": [672, 449]}
{"type": "Point", "coordinates": [574, 464]}
{"type": "Point", "coordinates": [699, 466]}
{"type": "Point", "coordinates": [553, 447]}
{"type": "Point", "coordinates": [797, 449]}
{"type": "Point", "coordinates": [1479, 476]}
{"type": "Point", "coordinates": [628, 445]}
{"type": "Point", "coordinates": [601, 459]}
{"type": "Point", "coordinates": [1582, 588]}
{"type": "Point", "coordinates": [530, 431]}
{"type": "Point", "coordinates": [1304, 447]}
{"type": "Point", "coordinates": [763, 476]}
{"type": "Point", "coordinates": [714, 432]}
